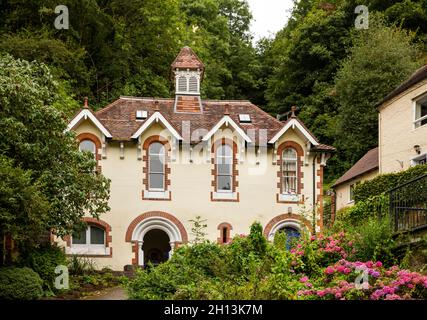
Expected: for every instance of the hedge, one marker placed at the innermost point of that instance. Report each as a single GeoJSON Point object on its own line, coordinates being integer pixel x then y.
{"type": "Point", "coordinates": [385, 182]}
{"type": "Point", "coordinates": [20, 284]}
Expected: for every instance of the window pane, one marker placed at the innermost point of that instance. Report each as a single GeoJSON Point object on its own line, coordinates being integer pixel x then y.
{"type": "Point", "coordinates": [290, 154]}
{"type": "Point", "coordinates": [156, 164]}
{"type": "Point", "coordinates": [224, 150]}
{"type": "Point", "coordinates": [156, 181]}
{"type": "Point", "coordinates": [79, 237]}
{"type": "Point", "coordinates": [156, 148]}
{"type": "Point", "coordinates": [224, 169]}
{"type": "Point", "coordinates": [289, 185]}
{"type": "Point", "coordinates": [224, 183]}
{"type": "Point", "coordinates": [87, 145]}
{"type": "Point", "coordinates": [96, 235]}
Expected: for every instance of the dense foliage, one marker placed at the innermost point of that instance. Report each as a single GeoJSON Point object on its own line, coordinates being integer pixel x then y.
{"type": "Point", "coordinates": [324, 267]}
{"type": "Point", "coordinates": [20, 284]}
{"type": "Point", "coordinates": [43, 261]}
{"type": "Point", "coordinates": [46, 183]}
{"type": "Point", "coordinates": [384, 182]}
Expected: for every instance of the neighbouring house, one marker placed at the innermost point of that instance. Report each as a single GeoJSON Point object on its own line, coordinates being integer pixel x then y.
{"type": "Point", "coordinates": [402, 137]}
{"type": "Point", "coordinates": [364, 169]}
{"type": "Point", "coordinates": [172, 159]}
{"type": "Point", "coordinates": [403, 125]}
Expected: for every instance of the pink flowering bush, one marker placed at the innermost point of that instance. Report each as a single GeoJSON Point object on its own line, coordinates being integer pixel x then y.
{"type": "Point", "coordinates": [345, 280]}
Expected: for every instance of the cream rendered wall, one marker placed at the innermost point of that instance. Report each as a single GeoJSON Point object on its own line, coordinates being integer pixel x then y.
{"type": "Point", "coordinates": [397, 135]}
{"type": "Point", "coordinates": [343, 190]}
{"type": "Point", "coordinates": [190, 188]}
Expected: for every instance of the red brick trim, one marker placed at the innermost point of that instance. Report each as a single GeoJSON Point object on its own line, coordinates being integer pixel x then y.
{"type": "Point", "coordinates": [108, 238]}
{"type": "Point", "coordinates": [221, 226]}
{"type": "Point", "coordinates": [320, 195]}
{"type": "Point", "coordinates": [98, 145]}
{"type": "Point", "coordinates": [300, 174]}
{"type": "Point", "coordinates": [150, 214]}
{"type": "Point", "coordinates": [235, 171]}
{"type": "Point", "coordinates": [284, 217]}
{"type": "Point", "coordinates": [135, 222]}
{"type": "Point", "coordinates": [145, 169]}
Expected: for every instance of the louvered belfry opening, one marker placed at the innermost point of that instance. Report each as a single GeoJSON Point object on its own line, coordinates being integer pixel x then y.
{"type": "Point", "coordinates": [187, 71]}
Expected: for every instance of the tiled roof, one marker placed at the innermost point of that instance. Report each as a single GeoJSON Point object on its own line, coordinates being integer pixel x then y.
{"type": "Point", "coordinates": [416, 77]}
{"type": "Point", "coordinates": [187, 59]}
{"type": "Point", "coordinates": [189, 104]}
{"type": "Point", "coordinates": [366, 164]}
{"type": "Point", "coordinates": [120, 117]}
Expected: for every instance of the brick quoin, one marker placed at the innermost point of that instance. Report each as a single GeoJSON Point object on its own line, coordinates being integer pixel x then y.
{"type": "Point", "coordinates": [300, 154]}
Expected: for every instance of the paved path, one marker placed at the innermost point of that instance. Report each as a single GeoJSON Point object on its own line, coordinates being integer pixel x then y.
{"type": "Point", "coordinates": [116, 293]}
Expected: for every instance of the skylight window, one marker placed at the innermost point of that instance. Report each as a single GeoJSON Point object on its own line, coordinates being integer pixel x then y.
{"type": "Point", "coordinates": [141, 114]}
{"type": "Point", "coordinates": [244, 118]}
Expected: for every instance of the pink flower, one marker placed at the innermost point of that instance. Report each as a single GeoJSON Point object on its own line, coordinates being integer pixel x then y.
{"type": "Point", "coordinates": [378, 264]}
{"type": "Point", "coordinates": [338, 295]}
{"type": "Point", "coordinates": [375, 274]}
{"type": "Point", "coordinates": [321, 293]}
{"type": "Point", "coordinates": [329, 270]}
{"type": "Point", "coordinates": [341, 269]}
{"type": "Point", "coordinates": [347, 271]}
{"type": "Point", "coordinates": [303, 279]}
{"type": "Point", "coordinates": [369, 264]}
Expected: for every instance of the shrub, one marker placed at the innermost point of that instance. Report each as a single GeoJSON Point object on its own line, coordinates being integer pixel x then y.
{"type": "Point", "coordinates": [385, 182]}
{"type": "Point", "coordinates": [44, 260]}
{"type": "Point", "coordinates": [80, 265]}
{"type": "Point", "coordinates": [20, 283]}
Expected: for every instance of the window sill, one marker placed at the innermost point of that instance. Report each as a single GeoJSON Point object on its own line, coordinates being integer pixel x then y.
{"type": "Point", "coordinates": [225, 196]}
{"type": "Point", "coordinates": [284, 197]}
{"type": "Point", "coordinates": [156, 195]}
{"type": "Point", "coordinates": [83, 250]}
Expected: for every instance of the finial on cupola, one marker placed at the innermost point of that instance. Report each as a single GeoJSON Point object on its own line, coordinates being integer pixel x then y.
{"type": "Point", "coordinates": [86, 103]}
{"type": "Point", "coordinates": [293, 110]}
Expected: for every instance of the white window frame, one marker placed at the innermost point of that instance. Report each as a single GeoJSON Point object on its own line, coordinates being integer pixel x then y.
{"type": "Point", "coordinates": [231, 175]}
{"type": "Point", "coordinates": [163, 160]}
{"type": "Point", "coordinates": [88, 248]}
{"type": "Point", "coordinates": [284, 192]}
{"type": "Point", "coordinates": [94, 145]}
{"type": "Point", "coordinates": [416, 105]}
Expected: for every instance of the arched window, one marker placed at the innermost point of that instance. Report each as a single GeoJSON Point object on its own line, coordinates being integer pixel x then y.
{"type": "Point", "coordinates": [224, 233]}
{"type": "Point", "coordinates": [88, 146]}
{"type": "Point", "coordinates": [182, 84]}
{"type": "Point", "coordinates": [92, 236]}
{"type": "Point", "coordinates": [289, 171]}
{"type": "Point", "coordinates": [192, 84]}
{"type": "Point", "coordinates": [156, 167]}
{"type": "Point", "coordinates": [224, 168]}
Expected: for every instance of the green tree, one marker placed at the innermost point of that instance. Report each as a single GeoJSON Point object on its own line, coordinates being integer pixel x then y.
{"type": "Point", "coordinates": [46, 182]}
{"type": "Point", "coordinates": [381, 58]}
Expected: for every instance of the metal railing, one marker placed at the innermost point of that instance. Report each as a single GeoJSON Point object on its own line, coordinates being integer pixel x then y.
{"type": "Point", "coordinates": [408, 205]}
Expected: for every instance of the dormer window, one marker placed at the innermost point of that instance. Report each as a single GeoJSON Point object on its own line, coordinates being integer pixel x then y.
{"type": "Point", "coordinates": [421, 112]}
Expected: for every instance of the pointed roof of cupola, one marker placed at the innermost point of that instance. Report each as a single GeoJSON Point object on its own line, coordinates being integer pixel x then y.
{"type": "Point", "coordinates": [187, 59]}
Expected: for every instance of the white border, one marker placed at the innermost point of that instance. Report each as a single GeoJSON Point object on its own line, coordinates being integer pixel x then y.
{"type": "Point", "coordinates": [156, 116]}
{"type": "Point", "coordinates": [294, 123]}
{"type": "Point", "coordinates": [85, 113]}
{"type": "Point", "coordinates": [226, 120]}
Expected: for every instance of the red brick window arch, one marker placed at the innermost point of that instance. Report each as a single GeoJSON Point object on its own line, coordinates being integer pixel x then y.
{"type": "Point", "coordinates": [89, 142]}
{"type": "Point", "coordinates": [224, 233]}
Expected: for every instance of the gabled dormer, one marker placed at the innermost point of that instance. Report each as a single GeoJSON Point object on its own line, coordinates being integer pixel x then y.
{"type": "Point", "coordinates": [187, 70]}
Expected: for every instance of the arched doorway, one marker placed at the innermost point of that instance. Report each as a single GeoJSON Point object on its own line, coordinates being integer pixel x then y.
{"type": "Point", "coordinates": [161, 230]}
{"type": "Point", "coordinates": [156, 247]}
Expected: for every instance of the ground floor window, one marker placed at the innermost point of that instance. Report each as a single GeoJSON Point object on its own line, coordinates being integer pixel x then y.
{"type": "Point", "coordinates": [91, 241]}
{"type": "Point", "coordinates": [292, 234]}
